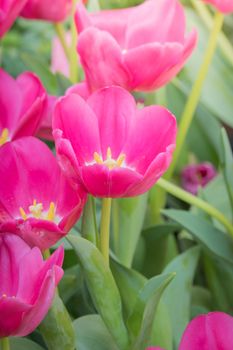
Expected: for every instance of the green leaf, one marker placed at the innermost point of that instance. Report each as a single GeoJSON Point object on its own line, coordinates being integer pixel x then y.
{"type": "Point", "coordinates": [57, 329]}
{"type": "Point", "coordinates": [111, 4]}
{"type": "Point", "coordinates": [161, 334]}
{"type": "Point", "coordinates": [91, 333]}
{"type": "Point", "coordinates": [178, 296]}
{"type": "Point", "coordinates": [102, 288]}
{"type": "Point", "coordinates": [141, 320]}
{"type": "Point", "coordinates": [210, 237]}
{"type": "Point", "coordinates": [71, 282]}
{"type": "Point", "coordinates": [22, 344]}
{"type": "Point", "coordinates": [131, 217]}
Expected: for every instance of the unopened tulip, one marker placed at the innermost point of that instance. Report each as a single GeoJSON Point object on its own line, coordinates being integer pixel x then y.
{"type": "Point", "coordinates": [27, 285]}
{"type": "Point", "coordinates": [109, 146]}
{"type": "Point", "coordinates": [9, 10]}
{"type": "Point", "coordinates": [36, 201]}
{"type": "Point", "coordinates": [54, 11]}
{"type": "Point", "coordinates": [225, 6]}
{"type": "Point", "coordinates": [197, 175]}
{"type": "Point", "coordinates": [140, 48]}
{"type": "Point", "coordinates": [22, 103]}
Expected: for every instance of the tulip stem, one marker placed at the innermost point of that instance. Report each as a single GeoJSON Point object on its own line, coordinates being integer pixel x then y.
{"type": "Point", "coordinates": [224, 44]}
{"type": "Point", "coordinates": [5, 344]}
{"type": "Point", "coordinates": [62, 37]}
{"type": "Point", "coordinates": [197, 202]}
{"type": "Point", "coordinates": [73, 56]}
{"type": "Point", "coordinates": [195, 94]}
{"type": "Point", "coordinates": [105, 228]}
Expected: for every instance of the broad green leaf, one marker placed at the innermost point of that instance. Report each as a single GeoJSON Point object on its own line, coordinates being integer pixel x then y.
{"type": "Point", "coordinates": [161, 334]}
{"type": "Point", "coordinates": [213, 239]}
{"type": "Point", "coordinates": [23, 344]}
{"type": "Point", "coordinates": [129, 282]}
{"type": "Point", "coordinates": [92, 334]}
{"type": "Point", "coordinates": [143, 315]}
{"type": "Point", "coordinates": [201, 301]}
{"type": "Point", "coordinates": [227, 165]}
{"type": "Point", "coordinates": [102, 288]}
{"type": "Point", "coordinates": [178, 296]}
{"type": "Point", "coordinates": [57, 329]}
{"type": "Point", "coordinates": [111, 4]}
{"type": "Point", "coordinates": [71, 282]}
{"type": "Point", "coordinates": [89, 225]}
{"type": "Point", "coordinates": [131, 214]}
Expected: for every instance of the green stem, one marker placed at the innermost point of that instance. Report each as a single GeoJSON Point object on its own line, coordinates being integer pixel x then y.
{"type": "Point", "coordinates": [5, 344]}
{"type": "Point", "coordinates": [195, 94]}
{"type": "Point", "coordinates": [197, 202]}
{"type": "Point", "coordinates": [73, 56]}
{"type": "Point", "coordinates": [115, 224]}
{"type": "Point", "coordinates": [62, 37]}
{"type": "Point", "coordinates": [223, 42]}
{"type": "Point", "coordinates": [105, 228]}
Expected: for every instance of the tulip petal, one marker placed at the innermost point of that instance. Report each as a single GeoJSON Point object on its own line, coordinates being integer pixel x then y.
{"type": "Point", "coordinates": [154, 130]}
{"type": "Point", "coordinates": [115, 109]}
{"type": "Point", "coordinates": [101, 57]}
{"type": "Point", "coordinates": [212, 331]}
{"type": "Point", "coordinates": [73, 117]}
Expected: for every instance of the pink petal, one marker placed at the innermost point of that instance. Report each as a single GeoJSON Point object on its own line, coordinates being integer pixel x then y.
{"type": "Point", "coordinates": [59, 60]}
{"type": "Point", "coordinates": [144, 28]}
{"type": "Point", "coordinates": [45, 129]}
{"type": "Point", "coordinates": [10, 102]}
{"type": "Point", "coordinates": [115, 109]}
{"type": "Point", "coordinates": [212, 331]}
{"type": "Point", "coordinates": [101, 182]}
{"type": "Point", "coordinates": [8, 15]}
{"type": "Point", "coordinates": [101, 57]}
{"type": "Point", "coordinates": [79, 125]}
{"type": "Point", "coordinates": [11, 311]}
{"type": "Point", "coordinates": [225, 6]}
{"type": "Point", "coordinates": [154, 130]}
{"type": "Point", "coordinates": [156, 59]}
{"type": "Point", "coordinates": [80, 89]}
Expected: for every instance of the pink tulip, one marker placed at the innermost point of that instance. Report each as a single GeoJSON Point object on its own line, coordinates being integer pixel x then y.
{"type": "Point", "coordinates": [140, 48]}
{"type": "Point", "coordinates": [22, 103]}
{"type": "Point", "coordinates": [59, 61]}
{"type": "Point", "coordinates": [110, 147]}
{"type": "Point", "coordinates": [212, 331]}
{"type": "Point", "coordinates": [36, 201]}
{"type": "Point", "coordinates": [54, 11]}
{"type": "Point", "coordinates": [45, 130]}
{"type": "Point", "coordinates": [197, 175]}
{"type": "Point", "coordinates": [9, 10]}
{"type": "Point", "coordinates": [225, 6]}
{"type": "Point", "coordinates": [27, 285]}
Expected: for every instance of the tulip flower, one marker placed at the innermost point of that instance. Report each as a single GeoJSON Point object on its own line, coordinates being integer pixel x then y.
{"type": "Point", "coordinates": [135, 48]}
{"type": "Point", "coordinates": [110, 147]}
{"type": "Point", "coordinates": [225, 6]}
{"type": "Point", "coordinates": [27, 285]}
{"type": "Point", "coordinates": [9, 10]}
{"type": "Point", "coordinates": [59, 60]}
{"type": "Point", "coordinates": [212, 331]}
{"type": "Point", "coordinates": [22, 103]}
{"type": "Point", "coordinates": [197, 175]}
{"type": "Point", "coordinates": [36, 201]}
{"type": "Point", "coordinates": [54, 11]}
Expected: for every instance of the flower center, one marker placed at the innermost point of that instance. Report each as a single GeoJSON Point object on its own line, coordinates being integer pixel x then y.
{"type": "Point", "coordinates": [36, 211]}
{"type": "Point", "coordinates": [4, 136]}
{"type": "Point", "coordinates": [109, 161]}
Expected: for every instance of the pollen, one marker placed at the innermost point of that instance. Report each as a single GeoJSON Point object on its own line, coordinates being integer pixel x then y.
{"type": "Point", "coordinates": [4, 135]}
{"type": "Point", "coordinates": [109, 161]}
{"type": "Point", "coordinates": [36, 210]}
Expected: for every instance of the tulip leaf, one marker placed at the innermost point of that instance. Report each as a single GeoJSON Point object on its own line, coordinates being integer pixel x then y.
{"type": "Point", "coordinates": [71, 282]}
{"type": "Point", "coordinates": [161, 334]}
{"type": "Point", "coordinates": [23, 344]}
{"type": "Point", "coordinates": [204, 232]}
{"type": "Point", "coordinates": [131, 214]}
{"type": "Point", "coordinates": [91, 333]}
{"type": "Point", "coordinates": [178, 296]}
{"type": "Point", "coordinates": [57, 328]}
{"type": "Point", "coordinates": [142, 317]}
{"type": "Point", "coordinates": [227, 165]}
{"type": "Point", "coordinates": [102, 288]}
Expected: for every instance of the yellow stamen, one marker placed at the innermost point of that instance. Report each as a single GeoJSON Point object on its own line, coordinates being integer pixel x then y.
{"type": "Point", "coordinates": [51, 212]}
{"type": "Point", "coordinates": [4, 136]}
{"type": "Point", "coordinates": [98, 158]}
{"type": "Point", "coordinates": [109, 161]}
{"type": "Point", "coordinates": [22, 213]}
{"type": "Point", "coordinates": [36, 209]}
